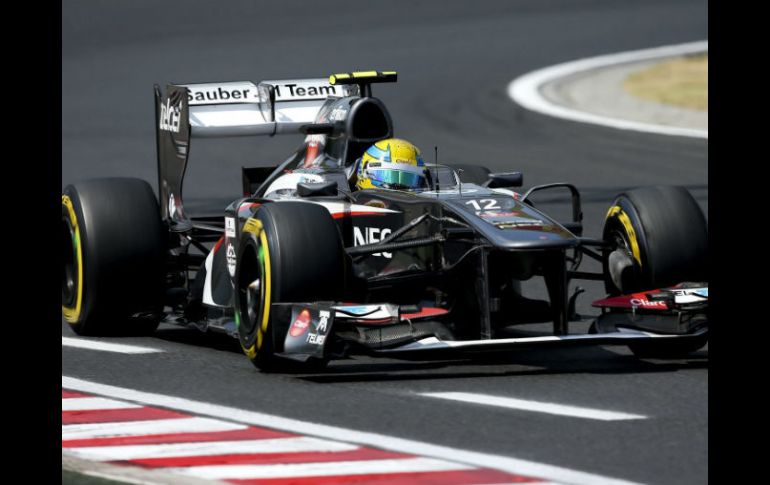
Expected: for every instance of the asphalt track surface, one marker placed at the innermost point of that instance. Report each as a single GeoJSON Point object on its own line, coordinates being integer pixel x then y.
{"type": "Point", "coordinates": [455, 60]}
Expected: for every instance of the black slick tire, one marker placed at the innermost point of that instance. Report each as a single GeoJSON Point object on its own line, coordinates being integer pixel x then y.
{"type": "Point", "coordinates": [663, 230]}
{"type": "Point", "coordinates": [288, 252]}
{"type": "Point", "coordinates": [112, 246]}
{"type": "Point", "coordinates": [662, 236]}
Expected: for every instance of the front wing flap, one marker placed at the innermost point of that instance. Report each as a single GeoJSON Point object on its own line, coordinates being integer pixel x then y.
{"type": "Point", "coordinates": [620, 337]}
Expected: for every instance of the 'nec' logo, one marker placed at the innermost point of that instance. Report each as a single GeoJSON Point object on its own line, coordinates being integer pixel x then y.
{"type": "Point", "coordinates": [371, 235]}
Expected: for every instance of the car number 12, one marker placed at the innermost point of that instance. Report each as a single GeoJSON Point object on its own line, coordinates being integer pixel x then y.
{"type": "Point", "coordinates": [487, 204]}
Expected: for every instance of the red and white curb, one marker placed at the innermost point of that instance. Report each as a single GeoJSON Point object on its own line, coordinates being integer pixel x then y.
{"type": "Point", "coordinates": [110, 430]}
{"type": "Point", "coordinates": [124, 433]}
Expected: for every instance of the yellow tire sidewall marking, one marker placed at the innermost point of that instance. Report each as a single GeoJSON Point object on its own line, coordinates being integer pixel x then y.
{"type": "Point", "coordinates": [618, 212]}
{"type": "Point", "coordinates": [254, 226]}
{"type": "Point", "coordinates": [72, 314]}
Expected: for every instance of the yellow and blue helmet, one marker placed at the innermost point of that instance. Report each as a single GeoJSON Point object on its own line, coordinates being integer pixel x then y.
{"type": "Point", "coordinates": [392, 164]}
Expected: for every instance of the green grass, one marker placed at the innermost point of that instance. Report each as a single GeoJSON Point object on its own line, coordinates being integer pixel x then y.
{"type": "Point", "coordinates": [679, 82]}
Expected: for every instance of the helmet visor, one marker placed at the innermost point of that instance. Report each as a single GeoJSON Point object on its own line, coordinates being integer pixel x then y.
{"type": "Point", "coordinates": [396, 178]}
{"type": "Point", "coordinates": [396, 175]}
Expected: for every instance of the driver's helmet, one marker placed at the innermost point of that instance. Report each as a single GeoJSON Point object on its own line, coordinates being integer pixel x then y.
{"type": "Point", "coordinates": [392, 164]}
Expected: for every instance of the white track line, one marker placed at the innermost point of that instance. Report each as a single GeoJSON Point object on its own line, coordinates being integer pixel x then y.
{"type": "Point", "coordinates": [525, 90]}
{"type": "Point", "coordinates": [209, 448]}
{"type": "Point", "coordinates": [141, 428]}
{"type": "Point", "coordinates": [534, 406]}
{"type": "Point", "coordinates": [497, 462]}
{"type": "Point", "coordinates": [106, 347]}
{"type": "Point", "coordinates": [94, 403]}
{"type": "Point", "coordinates": [323, 469]}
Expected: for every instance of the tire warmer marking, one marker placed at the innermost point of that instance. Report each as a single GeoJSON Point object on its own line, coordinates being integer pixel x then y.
{"type": "Point", "coordinates": [73, 314]}
{"type": "Point", "coordinates": [254, 226]}
{"type": "Point", "coordinates": [623, 218]}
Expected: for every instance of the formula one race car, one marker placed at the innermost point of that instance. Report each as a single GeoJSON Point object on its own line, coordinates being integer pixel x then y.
{"type": "Point", "coordinates": [304, 268]}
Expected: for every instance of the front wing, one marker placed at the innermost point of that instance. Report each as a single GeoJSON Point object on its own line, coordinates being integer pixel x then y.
{"type": "Point", "coordinates": [303, 330]}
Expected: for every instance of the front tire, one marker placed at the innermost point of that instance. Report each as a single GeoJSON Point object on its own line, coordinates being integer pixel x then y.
{"type": "Point", "coordinates": [112, 244]}
{"type": "Point", "coordinates": [288, 252]}
{"type": "Point", "coordinates": [661, 239]}
{"type": "Point", "coordinates": [664, 236]}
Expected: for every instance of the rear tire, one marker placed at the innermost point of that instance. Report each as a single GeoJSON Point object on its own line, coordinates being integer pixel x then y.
{"type": "Point", "coordinates": [112, 242]}
{"type": "Point", "coordinates": [661, 236]}
{"type": "Point", "coordinates": [295, 251]}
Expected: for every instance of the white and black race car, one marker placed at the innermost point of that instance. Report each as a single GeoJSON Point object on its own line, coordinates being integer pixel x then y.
{"type": "Point", "coordinates": [303, 268]}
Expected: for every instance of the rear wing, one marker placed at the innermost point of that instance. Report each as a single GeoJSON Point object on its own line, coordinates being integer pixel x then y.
{"type": "Point", "coordinates": [224, 110]}
{"type": "Point", "coordinates": [267, 108]}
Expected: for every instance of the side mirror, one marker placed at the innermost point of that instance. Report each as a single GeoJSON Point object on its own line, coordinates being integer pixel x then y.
{"type": "Point", "coordinates": [502, 180]}
{"type": "Point", "coordinates": [318, 189]}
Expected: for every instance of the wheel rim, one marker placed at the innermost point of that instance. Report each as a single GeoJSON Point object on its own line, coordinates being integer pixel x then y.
{"type": "Point", "coordinates": [621, 242]}
{"type": "Point", "coordinates": [250, 289]}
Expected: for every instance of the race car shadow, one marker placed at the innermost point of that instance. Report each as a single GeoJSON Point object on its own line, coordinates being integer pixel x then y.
{"type": "Point", "coordinates": [594, 360]}
{"type": "Point", "coordinates": [522, 362]}
{"type": "Point", "coordinates": [192, 336]}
